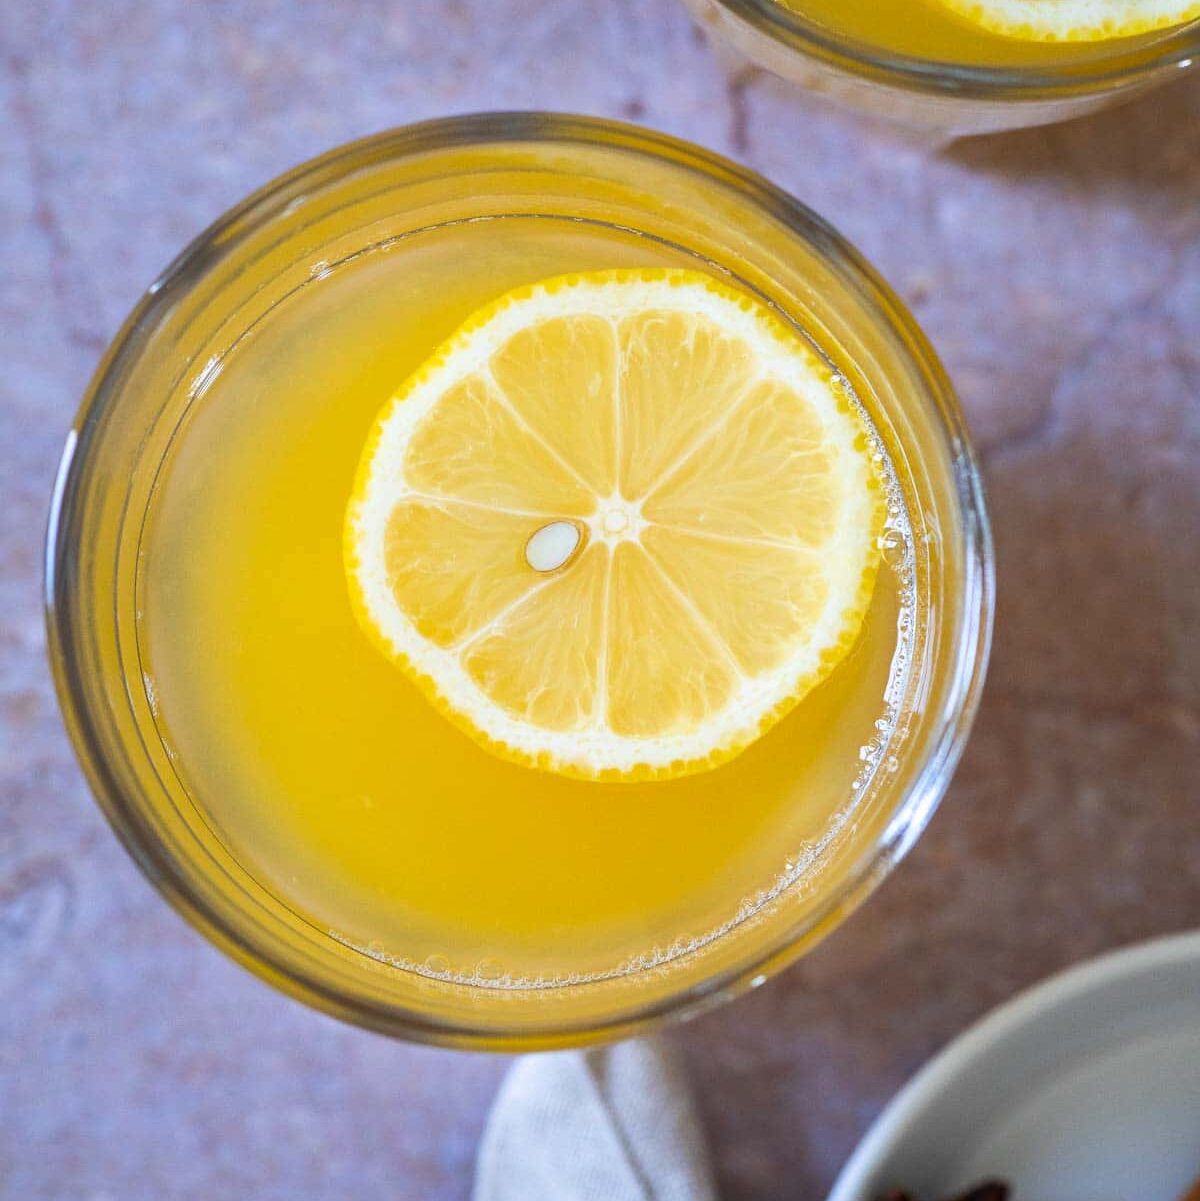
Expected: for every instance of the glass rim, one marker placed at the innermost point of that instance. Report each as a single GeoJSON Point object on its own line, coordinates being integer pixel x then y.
{"type": "Point", "coordinates": [253, 944]}
{"type": "Point", "coordinates": [957, 80]}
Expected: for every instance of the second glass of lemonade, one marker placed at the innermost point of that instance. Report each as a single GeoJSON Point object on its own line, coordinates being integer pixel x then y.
{"type": "Point", "coordinates": [921, 64]}
{"type": "Point", "coordinates": [327, 816]}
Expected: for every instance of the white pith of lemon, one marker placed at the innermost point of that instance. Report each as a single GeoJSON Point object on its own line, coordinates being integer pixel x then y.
{"type": "Point", "coordinates": [1074, 20]}
{"type": "Point", "coordinates": [617, 525]}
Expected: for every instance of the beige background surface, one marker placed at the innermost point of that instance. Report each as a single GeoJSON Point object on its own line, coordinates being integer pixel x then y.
{"type": "Point", "coordinates": [1057, 272]}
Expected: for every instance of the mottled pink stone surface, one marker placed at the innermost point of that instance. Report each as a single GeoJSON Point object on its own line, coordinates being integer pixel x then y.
{"type": "Point", "coordinates": [1057, 271]}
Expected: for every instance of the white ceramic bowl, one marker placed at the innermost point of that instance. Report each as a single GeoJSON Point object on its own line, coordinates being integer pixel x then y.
{"type": "Point", "coordinates": [1084, 1088]}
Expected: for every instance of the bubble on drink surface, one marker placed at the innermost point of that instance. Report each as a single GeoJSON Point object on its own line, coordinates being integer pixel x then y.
{"type": "Point", "coordinates": [897, 555]}
{"type": "Point", "coordinates": [894, 548]}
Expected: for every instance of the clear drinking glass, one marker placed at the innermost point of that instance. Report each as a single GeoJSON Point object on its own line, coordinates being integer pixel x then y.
{"type": "Point", "coordinates": [944, 98]}
{"type": "Point", "coordinates": [472, 169]}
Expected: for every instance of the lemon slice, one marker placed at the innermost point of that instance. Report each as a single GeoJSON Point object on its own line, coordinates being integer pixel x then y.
{"type": "Point", "coordinates": [617, 525]}
{"type": "Point", "coordinates": [1074, 20]}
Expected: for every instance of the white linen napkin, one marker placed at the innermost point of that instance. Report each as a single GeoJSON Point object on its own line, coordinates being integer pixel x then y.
{"type": "Point", "coordinates": [609, 1124]}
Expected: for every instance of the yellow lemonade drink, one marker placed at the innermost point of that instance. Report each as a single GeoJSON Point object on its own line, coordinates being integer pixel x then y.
{"type": "Point", "coordinates": [334, 776]}
{"type": "Point", "coordinates": [324, 802]}
{"type": "Point", "coordinates": [928, 29]}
